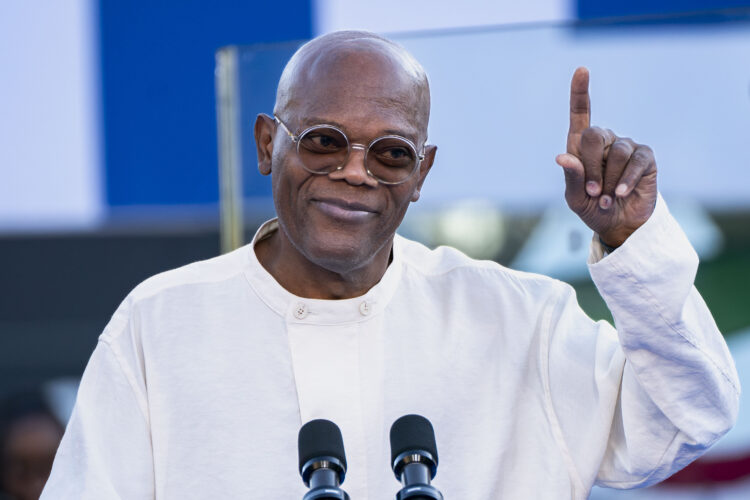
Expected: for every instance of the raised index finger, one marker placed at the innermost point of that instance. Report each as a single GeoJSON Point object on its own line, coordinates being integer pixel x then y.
{"type": "Point", "coordinates": [580, 108]}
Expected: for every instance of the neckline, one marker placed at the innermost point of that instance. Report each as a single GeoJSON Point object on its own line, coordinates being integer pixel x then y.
{"type": "Point", "coordinates": [298, 309]}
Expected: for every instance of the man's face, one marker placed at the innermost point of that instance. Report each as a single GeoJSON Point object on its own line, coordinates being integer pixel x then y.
{"type": "Point", "coordinates": [342, 220]}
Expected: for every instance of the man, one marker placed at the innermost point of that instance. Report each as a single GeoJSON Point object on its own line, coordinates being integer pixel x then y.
{"type": "Point", "coordinates": [204, 375]}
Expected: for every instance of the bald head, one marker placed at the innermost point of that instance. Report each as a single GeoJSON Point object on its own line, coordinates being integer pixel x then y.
{"type": "Point", "coordinates": [352, 60]}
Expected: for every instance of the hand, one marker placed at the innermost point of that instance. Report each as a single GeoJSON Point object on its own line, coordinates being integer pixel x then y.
{"type": "Point", "coordinates": [610, 181]}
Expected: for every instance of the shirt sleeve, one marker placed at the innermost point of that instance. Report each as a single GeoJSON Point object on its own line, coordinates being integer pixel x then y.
{"type": "Point", "coordinates": [106, 453]}
{"type": "Point", "coordinates": [664, 386]}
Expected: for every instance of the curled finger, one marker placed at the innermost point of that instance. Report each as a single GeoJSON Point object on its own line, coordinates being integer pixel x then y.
{"type": "Point", "coordinates": [595, 142]}
{"type": "Point", "coordinates": [641, 162]}
{"type": "Point", "coordinates": [618, 157]}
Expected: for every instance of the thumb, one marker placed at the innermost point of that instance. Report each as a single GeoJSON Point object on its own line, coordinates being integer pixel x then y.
{"type": "Point", "coordinates": [575, 179]}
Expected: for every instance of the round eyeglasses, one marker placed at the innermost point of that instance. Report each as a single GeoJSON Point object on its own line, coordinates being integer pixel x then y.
{"type": "Point", "coordinates": [322, 149]}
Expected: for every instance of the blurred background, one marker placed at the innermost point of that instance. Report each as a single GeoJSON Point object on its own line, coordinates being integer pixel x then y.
{"type": "Point", "coordinates": [126, 149]}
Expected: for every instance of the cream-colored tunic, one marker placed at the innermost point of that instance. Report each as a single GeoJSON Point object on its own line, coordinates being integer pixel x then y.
{"type": "Point", "coordinates": [203, 377]}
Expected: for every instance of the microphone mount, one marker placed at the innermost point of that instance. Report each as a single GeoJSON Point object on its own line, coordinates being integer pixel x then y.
{"type": "Point", "coordinates": [414, 458]}
{"type": "Point", "coordinates": [322, 461]}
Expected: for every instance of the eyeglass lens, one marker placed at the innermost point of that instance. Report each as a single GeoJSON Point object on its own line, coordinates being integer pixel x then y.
{"type": "Point", "coordinates": [324, 149]}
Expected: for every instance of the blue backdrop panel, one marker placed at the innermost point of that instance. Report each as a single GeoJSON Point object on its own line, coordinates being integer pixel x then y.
{"type": "Point", "coordinates": [593, 9]}
{"type": "Point", "coordinates": [158, 90]}
{"type": "Point", "coordinates": [259, 71]}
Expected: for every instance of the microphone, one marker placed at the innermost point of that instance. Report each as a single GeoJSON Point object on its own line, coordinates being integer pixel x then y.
{"type": "Point", "coordinates": [414, 458]}
{"type": "Point", "coordinates": [322, 461]}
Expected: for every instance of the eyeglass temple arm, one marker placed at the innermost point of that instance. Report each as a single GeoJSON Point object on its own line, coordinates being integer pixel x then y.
{"type": "Point", "coordinates": [289, 133]}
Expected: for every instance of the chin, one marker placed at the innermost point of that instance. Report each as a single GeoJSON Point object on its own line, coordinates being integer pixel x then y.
{"type": "Point", "coordinates": [342, 255]}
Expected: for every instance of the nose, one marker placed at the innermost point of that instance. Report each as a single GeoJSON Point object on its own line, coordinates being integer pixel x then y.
{"type": "Point", "coordinates": [354, 170]}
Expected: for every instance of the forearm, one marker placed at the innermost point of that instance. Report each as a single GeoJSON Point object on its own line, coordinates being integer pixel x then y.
{"type": "Point", "coordinates": [679, 379]}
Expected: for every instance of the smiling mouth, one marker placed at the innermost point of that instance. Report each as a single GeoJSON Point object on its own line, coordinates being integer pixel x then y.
{"type": "Point", "coordinates": [345, 211]}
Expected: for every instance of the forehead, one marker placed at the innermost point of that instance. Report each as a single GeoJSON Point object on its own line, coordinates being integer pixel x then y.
{"type": "Point", "coordinates": [364, 91]}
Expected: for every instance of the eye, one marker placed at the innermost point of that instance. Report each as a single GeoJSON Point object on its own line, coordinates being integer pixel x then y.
{"type": "Point", "coordinates": [393, 153]}
{"type": "Point", "coordinates": [397, 153]}
{"type": "Point", "coordinates": [323, 141]}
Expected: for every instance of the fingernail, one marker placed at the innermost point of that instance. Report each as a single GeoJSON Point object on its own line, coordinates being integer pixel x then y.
{"type": "Point", "coordinates": [605, 202]}
{"type": "Point", "coordinates": [621, 189]}
{"type": "Point", "coordinates": [592, 188]}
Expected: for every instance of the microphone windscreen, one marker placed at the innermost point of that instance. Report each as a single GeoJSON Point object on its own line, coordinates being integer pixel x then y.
{"type": "Point", "coordinates": [320, 438]}
{"type": "Point", "coordinates": [412, 432]}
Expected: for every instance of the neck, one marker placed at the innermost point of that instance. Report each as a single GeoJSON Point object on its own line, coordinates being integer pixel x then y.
{"type": "Point", "coordinates": [304, 278]}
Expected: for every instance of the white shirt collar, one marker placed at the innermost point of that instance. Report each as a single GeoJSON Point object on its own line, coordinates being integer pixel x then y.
{"type": "Point", "coordinates": [297, 309]}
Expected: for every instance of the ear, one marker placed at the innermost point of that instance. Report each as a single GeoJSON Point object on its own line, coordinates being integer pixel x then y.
{"type": "Point", "coordinates": [424, 168]}
{"type": "Point", "coordinates": [265, 128]}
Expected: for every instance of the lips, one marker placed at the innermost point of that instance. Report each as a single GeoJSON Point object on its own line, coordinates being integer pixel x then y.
{"type": "Point", "coordinates": [345, 211]}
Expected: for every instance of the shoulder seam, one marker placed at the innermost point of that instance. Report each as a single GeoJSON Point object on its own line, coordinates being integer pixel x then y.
{"type": "Point", "coordinates": [163, 288]}
{"type": "Point", "coordinates": [141, 400]}
{"type": "Point", "coordinates": [481, 266]}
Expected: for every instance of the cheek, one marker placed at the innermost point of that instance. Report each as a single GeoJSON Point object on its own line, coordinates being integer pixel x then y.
{"type": "Point", "coordinates": [289, 186]}
{"type": "Point", "coordinates": [283, 182]}
{"type": "Point", "coordinates": [284, 201]}
{"type": "Point", "coordinates": [401, 198]}
{"type": "Point", "coordinates": [284, 172]}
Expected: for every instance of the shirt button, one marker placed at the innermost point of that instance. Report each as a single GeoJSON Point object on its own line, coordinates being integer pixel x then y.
{"type": "Point", "coordinates": [364, 308]}
{"type": "Point", "coordinates": [300, 311]}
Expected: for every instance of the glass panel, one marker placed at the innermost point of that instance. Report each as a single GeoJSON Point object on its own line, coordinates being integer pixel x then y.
{"type": "Point", "coordinates": [680, 87]}
{"type": "Point", "coordinates": [246, 79]}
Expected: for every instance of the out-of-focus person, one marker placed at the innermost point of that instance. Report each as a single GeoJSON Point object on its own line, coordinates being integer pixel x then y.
{"type": "Point", "coordinates": [29, 436]}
